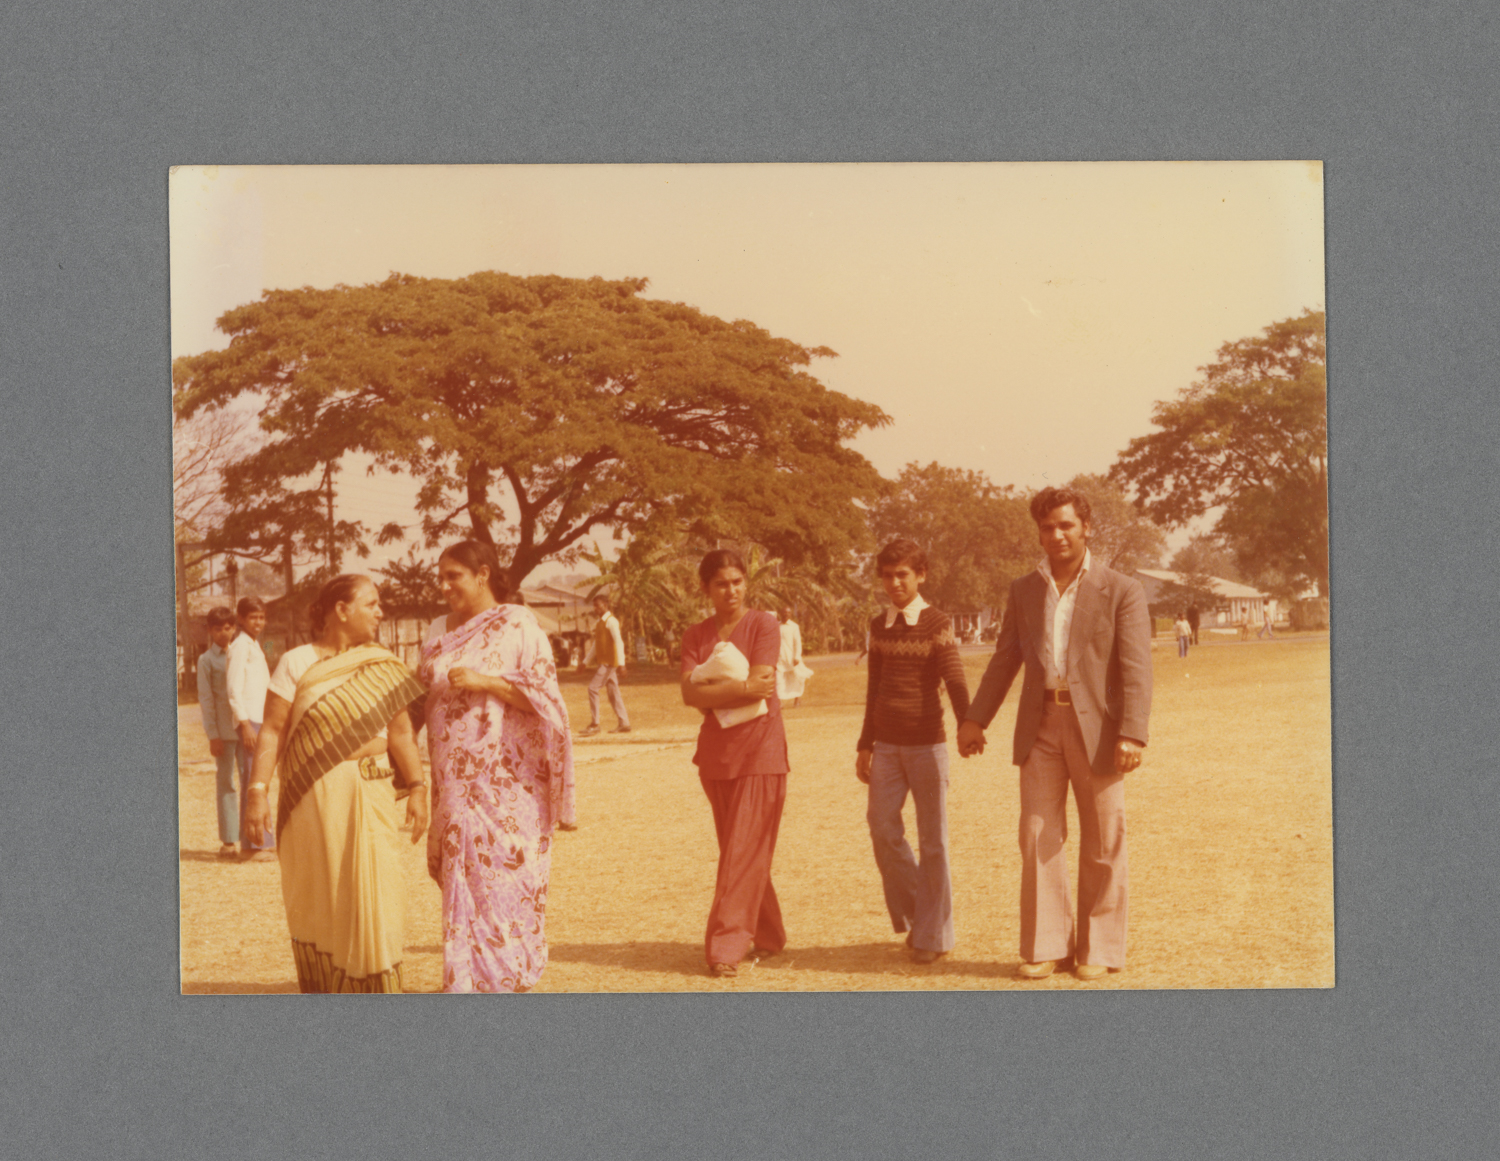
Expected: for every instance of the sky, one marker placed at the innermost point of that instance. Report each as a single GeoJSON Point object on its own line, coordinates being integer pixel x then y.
{"type": "Point", "coordinates": [1018, 319]}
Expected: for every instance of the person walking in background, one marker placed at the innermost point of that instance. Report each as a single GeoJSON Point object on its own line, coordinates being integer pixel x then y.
{"type": "Point", "coordinates": [1184, 630]}
{"type": "Point", "coordinates": [791, 673]}
{"type": "Point", "coordinates": [1195, 618]}
{"type": "Point", "coordinates": [609, 656]}
{"type": "Point", "coordinates": [1265, 627]}
{"type": "Point", "coordinates": [1083, 633]}
{"type": "Point", "coordinates": [502, 761]}
{"type": "Point", "coordinates": [218, 724]}
{"type": "Point", "coordinates": [248, 678]}
{"type": "Point", "coordinates": [903, 750]}
{"type": "Point", "coordinates": [728, 673]}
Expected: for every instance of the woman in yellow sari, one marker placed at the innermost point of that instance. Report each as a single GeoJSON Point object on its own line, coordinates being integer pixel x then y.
{"type": "Point", "coordinates": [336, 709]}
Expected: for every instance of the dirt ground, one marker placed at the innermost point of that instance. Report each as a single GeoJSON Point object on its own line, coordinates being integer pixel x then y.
{"type": "Point", "coordinates": [1231, 848]}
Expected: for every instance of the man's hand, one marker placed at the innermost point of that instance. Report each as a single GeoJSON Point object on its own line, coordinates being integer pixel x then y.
{"type": "Point", "coordinates": [970, 739]}
{"type": "Point", "coordinates": [247, 736]}
{"type": "Point", "coordinates": [1127, 755]}
{"type": "Point", "coordinates": [216, 746]}
{"type": "Point", "coordinates": [862, 765]}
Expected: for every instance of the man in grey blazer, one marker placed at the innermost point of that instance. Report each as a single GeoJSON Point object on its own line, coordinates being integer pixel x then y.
{"type": "Point", "coordinates": [1084, 635]}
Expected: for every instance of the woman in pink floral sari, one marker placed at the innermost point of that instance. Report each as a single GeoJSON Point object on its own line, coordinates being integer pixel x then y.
{"type": "Point", "coordinates": [502, 768]}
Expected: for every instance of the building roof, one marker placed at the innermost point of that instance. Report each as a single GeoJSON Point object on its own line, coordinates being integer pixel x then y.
{"type": "Point", "coordinates": [1230, 590]}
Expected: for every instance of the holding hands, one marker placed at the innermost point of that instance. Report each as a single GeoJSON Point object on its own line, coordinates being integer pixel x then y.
{"type": "Point", "coordinates": [970, 739]}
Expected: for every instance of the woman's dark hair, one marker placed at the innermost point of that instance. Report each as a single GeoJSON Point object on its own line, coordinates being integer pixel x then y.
{"type": "Point", "coordinates": [340, 588]}
{"type": "Point", "coordinates": [249, 605]}
{"type": "Point", "coordinates": [474, 555]}
{"type": "Point", "coordinates": [719, 558]}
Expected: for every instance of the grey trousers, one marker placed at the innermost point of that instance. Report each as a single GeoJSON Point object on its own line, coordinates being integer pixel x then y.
{"type": "Point", "coordinates": [919, 895]}
{"type": "Point", "coordinates": [607, 677]}
{"type": "Point", "coordinates": [1057, 760]}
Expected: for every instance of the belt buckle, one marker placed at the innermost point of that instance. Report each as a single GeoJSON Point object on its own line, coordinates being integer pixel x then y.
{"type": "Point", "coordinates": [1061, 696]}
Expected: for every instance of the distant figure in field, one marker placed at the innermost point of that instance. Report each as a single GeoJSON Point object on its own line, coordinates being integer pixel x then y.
{"type": "Point", "coordinates": [1195, 618]}
{"type": "Point", "coordinates": [1245, 625]}
{"type": "Point", "coordinates": [609, 656]}
{"type": "Point", "coordinates": [1082, 631]}
{"type": "Point", "coordinates": [1265, 629]}
{"type": "Point", "coordinates": [218, 724]}
{"type": "Point", "coordinates": [1184, 630]}
{"type": "Point", "coordinates": [863, 649]}
{"type": "Point", "coordinates": [729, 675]}
{"type": "Point", "coordinates": [249, 677]}
{"type": "Point", "coordinates": [902, 750]}
{"type": "Point", "coordinates": [791, 673]}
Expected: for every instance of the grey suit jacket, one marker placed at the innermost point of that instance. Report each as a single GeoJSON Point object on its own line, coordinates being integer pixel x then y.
{"type": "Point", "coordinates": [1109, 663]}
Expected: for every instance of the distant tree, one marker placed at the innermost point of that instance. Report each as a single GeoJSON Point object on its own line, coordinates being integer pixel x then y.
{"type": "Point", "coordinates": [651, 585]}
{"type": "Point", "coordinates": [1250, 437]}
{"type": "Point", "coordinates": [573, 403]}
{"type": "Point", "coordinates": [409, 587]}
{"type": "Point", "coordinates": [979, 536]}
{"type": "Point", "coordinates": [1205, 555]}
{"type": "Point", "coordinates": [1120, 535]}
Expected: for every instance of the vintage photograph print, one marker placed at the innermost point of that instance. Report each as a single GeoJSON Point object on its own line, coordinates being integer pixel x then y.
{"type": "Point", "coordinates": [747, 578]}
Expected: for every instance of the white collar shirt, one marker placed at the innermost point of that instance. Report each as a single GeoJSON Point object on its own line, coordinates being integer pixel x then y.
{"type": "Point", "coordinates": [248, 677]}
{"type": "Point", "coordinates": [1057, 616]}
{"type": "Point", "coordinates": [910, 614]}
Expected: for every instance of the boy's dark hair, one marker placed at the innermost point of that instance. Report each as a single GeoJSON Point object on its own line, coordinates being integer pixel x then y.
{"type": "Point", "coordinates": [1049, 498]}
{"type": "Point", "coordinates": [250, 605]}
{"type": "Point", "coordinates": [902, 551]}
{"type": "Point", "coordinates": [220, 615]}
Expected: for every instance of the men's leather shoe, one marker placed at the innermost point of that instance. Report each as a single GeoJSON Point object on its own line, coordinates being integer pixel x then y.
{"type": "Point", "coordinates": [926, 955]}
{"type": "Point", "coordinates": [1090, 971]}
{"type": "Point", "coordinates": [588, 731]}
{"type": "Point", "coordinates": [621, 730]}
{"type": "Point", "coordinates": [1036, 971]}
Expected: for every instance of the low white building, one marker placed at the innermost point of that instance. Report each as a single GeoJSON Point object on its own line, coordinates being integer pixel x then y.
{"type": "Point", "coordinates": [1233, 601]}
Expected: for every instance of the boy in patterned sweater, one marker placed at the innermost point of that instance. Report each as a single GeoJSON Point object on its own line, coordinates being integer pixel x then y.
{"type": "Point", "coordinates": [902, 749]}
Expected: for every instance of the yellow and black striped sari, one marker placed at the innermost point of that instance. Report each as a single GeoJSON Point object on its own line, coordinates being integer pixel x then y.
{"type": "Point", "coordinates": [336, 823]}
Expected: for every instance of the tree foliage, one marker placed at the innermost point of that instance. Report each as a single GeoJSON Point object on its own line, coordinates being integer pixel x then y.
{"type": "Point", "coordinates": [1120, 536]}
{"type": "Point", "coordinates": [568, 403]}
{"type": "Point", "coordinates": [1249, 437]}
{"type": "Point", "coordinates": [979, 536]}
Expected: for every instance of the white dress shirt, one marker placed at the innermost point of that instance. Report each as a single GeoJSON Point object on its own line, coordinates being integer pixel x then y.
{"type": "Point", "coordinates": [1057, 615]}
{"type": "Point", "coordinates": [249, 677]}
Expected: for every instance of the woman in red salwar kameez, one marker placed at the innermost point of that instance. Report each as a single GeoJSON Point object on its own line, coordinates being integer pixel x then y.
{"type": "Point", "coordinates": [742, 766]}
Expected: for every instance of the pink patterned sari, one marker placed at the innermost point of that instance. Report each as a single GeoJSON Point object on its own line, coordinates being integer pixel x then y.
{"type": "Point", "coordinates": [503, 778]}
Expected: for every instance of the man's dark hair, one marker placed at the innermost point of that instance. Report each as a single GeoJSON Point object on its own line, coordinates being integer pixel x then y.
{"type": "Point", "coordinates": [220, 615]}
{"type": "Point", "coordinates": [250, 605]}
{"type": "Point", "coordinates": [602, 598]}
{"type": "Point", "coordinates": [902, 551]}
{"type": "Point", "coordinates": [1049, 499]}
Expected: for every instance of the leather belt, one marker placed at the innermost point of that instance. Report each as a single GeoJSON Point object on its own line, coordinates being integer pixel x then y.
{"type": "Point", "coordinates": [1058, 696]}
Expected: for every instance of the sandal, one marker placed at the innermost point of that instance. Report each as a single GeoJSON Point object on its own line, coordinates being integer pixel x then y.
{"type": "Point", "coordinates": [722, 971]}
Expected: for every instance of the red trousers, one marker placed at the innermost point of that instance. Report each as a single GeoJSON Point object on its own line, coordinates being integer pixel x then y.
{"type": "Point", "coordinates": [745, 913]}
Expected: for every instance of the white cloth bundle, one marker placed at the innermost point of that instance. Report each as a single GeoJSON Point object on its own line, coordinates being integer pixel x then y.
{"type": "Point", "coordinates": [727, 661]}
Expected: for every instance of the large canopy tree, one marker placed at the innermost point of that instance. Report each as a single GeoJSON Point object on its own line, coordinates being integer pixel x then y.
{"type": "Point", "coordinates": [1250, 437]}
{"type": "Point", "coordinates": [569, 402]}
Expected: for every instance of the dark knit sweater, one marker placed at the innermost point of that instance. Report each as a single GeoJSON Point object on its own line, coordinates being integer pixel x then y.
{"type": "Point", "coordinates": [907, 664]}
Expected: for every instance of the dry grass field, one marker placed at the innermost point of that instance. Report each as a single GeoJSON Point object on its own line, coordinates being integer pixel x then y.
{"type": "Point", "coordinates": [1231, 849]}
